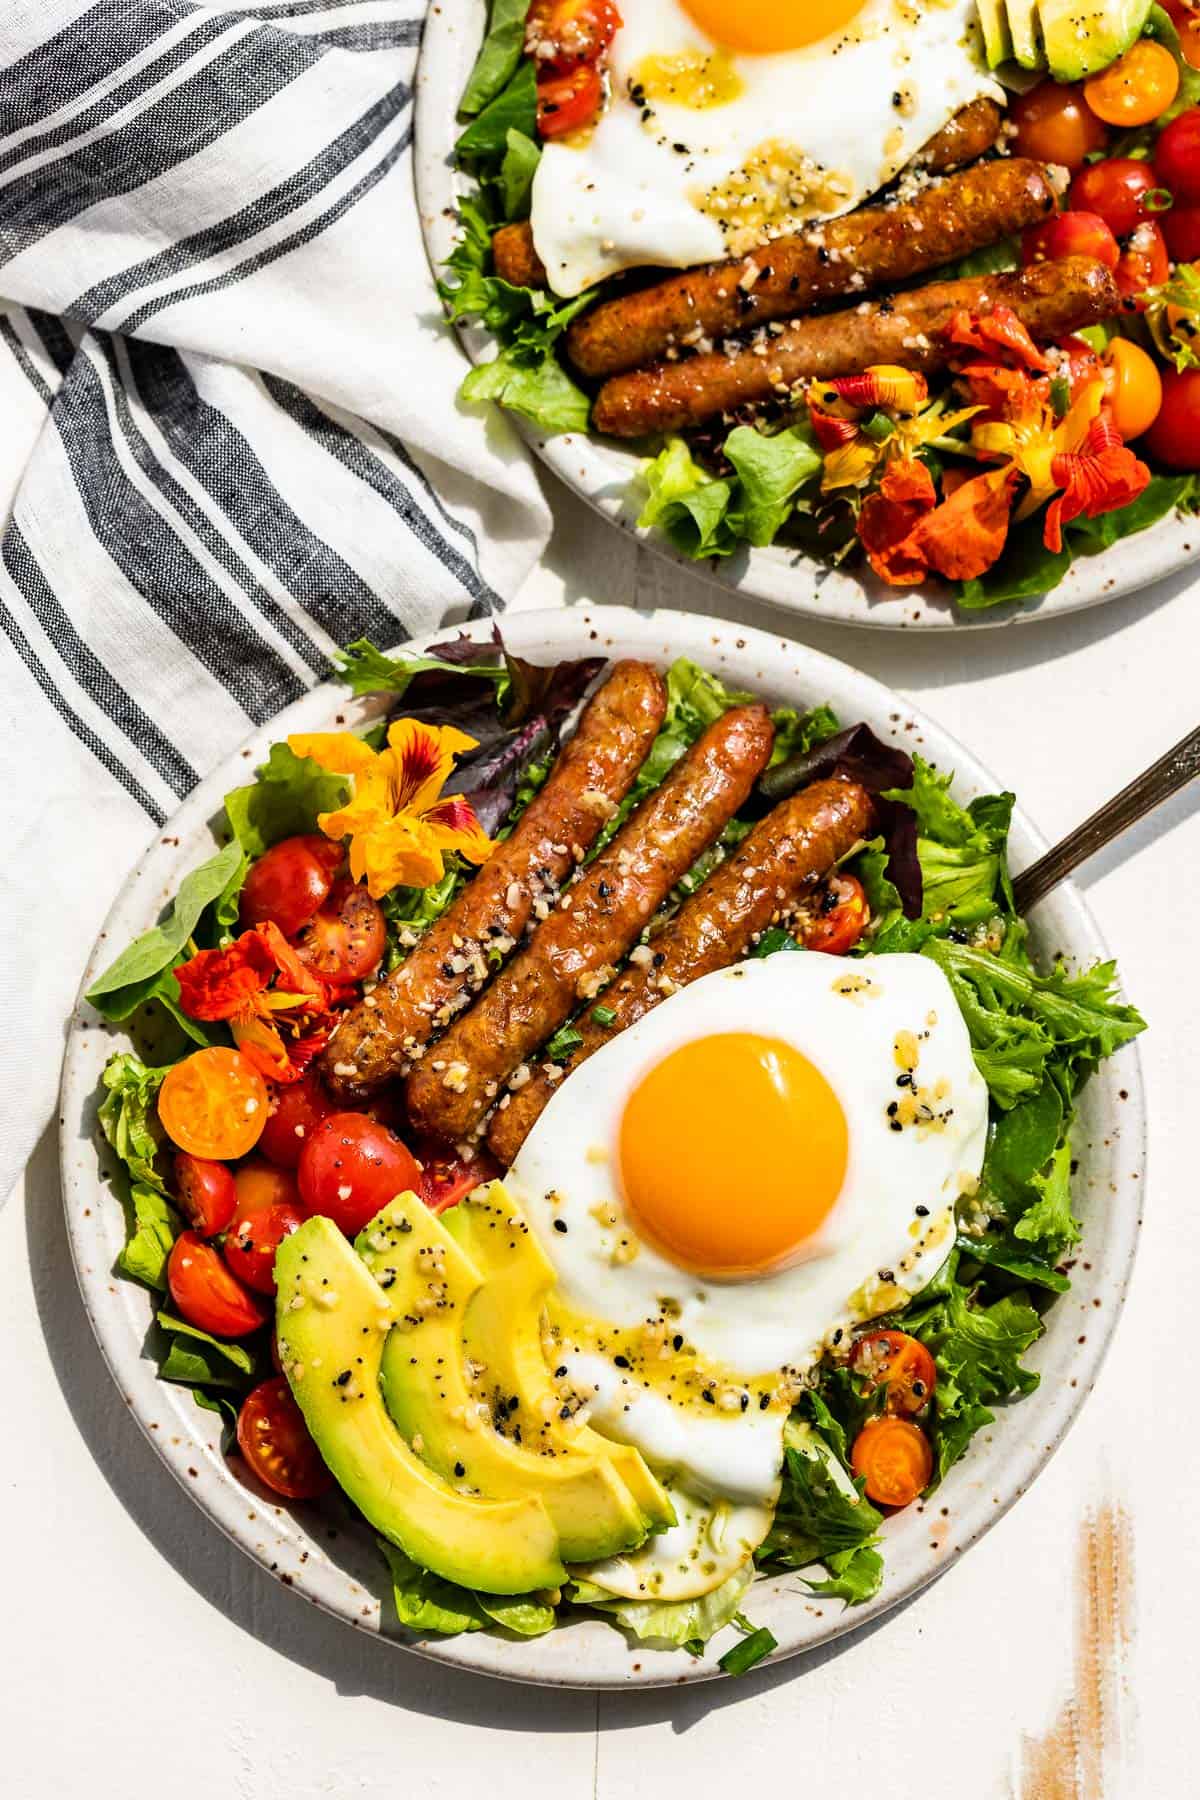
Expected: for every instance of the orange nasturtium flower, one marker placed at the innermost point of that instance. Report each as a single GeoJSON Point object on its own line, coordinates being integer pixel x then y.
{"type": "Point", "coordinates": [260, 986]}
{"type": "Point", "coordinates": [398, 825]}
{"type": "Point", "coordinates": [837, 408]}
{"type": "Point", "coordinates": [907, 535]}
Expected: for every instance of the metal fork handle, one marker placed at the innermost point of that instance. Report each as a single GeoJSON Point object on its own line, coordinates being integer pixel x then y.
{"type": "Point", "coordinates": [1154, 785]}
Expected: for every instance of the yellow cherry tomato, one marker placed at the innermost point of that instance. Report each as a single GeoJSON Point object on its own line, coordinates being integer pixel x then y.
{"type": "Point", "coordinates": [1134, 388]}
{"type": "Point", "coordinates": [1135, 89]}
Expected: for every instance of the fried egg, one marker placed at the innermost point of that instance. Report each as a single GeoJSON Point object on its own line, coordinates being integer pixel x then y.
{"type": "Point", "coordinates": [766, 1160]}
{"type": "Point", "coordinates": [729, 122]}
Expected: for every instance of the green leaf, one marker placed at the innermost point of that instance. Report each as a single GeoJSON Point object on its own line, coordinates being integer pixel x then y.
{"type": "Point", "coordinates": [523, 1614]}
{"type": "Point", "coordinates": [1023, 1141]}
{"type": "Point", "coordinates": [771, 468]}
{"type": "Point", "coordinates": [749, 1653]}
{"type": "Point", "coordinates": [498, 56]}
{"type": "Point", "coordinates": [686, 503]}
{"type": "Point", "coordinates": [512, 108]}
{"type": "Point", "coordinates": [993, 259]}
{"type": "Point", "coordinates": [197, 1359]}
{"type": "Point", "coordinates": [366, 670]}
{"type": "Point", "coordinates": [283, 801]}
{"type": "Point", "coordinates": [409, 912]}
{"type": "Point", "coordinates": [1029, 1269]}
{"type": "Point", "coordinates": [705, 515]}
{"type": "Point", "coordinates": [542, 392]}
{"type": "Point", "coordinates": [153, 1227]}
{"type": "Point", "coordinates": [128, 981]}
{"type": "Point", "coordinates": [129, 1117]}
{"type": "Point", "coordinates": [822, 1512]}
{"type": "Point", "coordinates": [1024, 569]}
{"type": "Point", "coordinates": [1050, 1220]}
{"type": "Point", "coordinates": [855, 1576]}
{"type": "Point", "coordinates": [424, 1602]}
{"type": "Point", "coordinates": [671, 1623]}
{"type": "Point", "coordinates": [517, 171]}
{"type": "Point", "coordinates": [797, 733]}
{"type": "Point", "coordinates": [1165, 494]}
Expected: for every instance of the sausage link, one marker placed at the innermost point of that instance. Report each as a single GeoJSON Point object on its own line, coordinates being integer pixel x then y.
{"type": "Point", "coordinates": [786, 853]}
{"type": "Point", "coordinates": [571, 952]}
{"type": "Point", "coordinates": [1051, 299]}
{"type": "Point", "coordinates": [875, 247]}
{"type": "Point", "coordinates": [968, 134]}
{"type": "Point", "coordinates": [387, 1030]}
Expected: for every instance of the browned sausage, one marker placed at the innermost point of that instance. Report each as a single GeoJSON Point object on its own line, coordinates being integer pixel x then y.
{"type": "Point", "coordinates": [969, 133]}
{"type": "Point", "coordinates": [388, 1029]}
{"type": "Point", "coordinates": [875, 247]}
{"type": "Point", "coordinates": [788, 851]}
{"type": "Point", "coordinates": [572, 953]}
{"type": "Point", "coordinates": [1051, 299]}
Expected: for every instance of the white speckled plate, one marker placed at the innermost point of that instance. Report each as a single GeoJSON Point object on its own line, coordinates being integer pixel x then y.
{"type": "Point", "coordinates": [330, 1558]}
{"type": "Point", "coordinates": [603, 472]}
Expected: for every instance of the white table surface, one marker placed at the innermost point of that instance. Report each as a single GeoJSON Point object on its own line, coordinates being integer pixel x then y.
{"type": "Point", "coordinates": [142, 1655]}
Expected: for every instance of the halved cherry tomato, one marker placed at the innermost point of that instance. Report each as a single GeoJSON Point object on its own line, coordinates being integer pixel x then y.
{"type": "Point", "coordinates": [258, 1187]}
{"type": "Point", "coordinates": [1144, 263]}
{"type": "Point", "coordinates": [566, 102]}
{"type": "Point", "coordinates": [204, 1193]}
{"type": "Point", "coordinates": [351, 1167]}
{"type": "Point", "coordinates": [842, 915]}
{"type": "Point", "coordinates": [346, 939]}
{"type": "Point", "coordinates": [1186, 20]}
{"type": "Point", "coordinates": [1070, 234]}
{"type": "Point", "coordinates": [207, 1293]}
{"type": "Point", "coordinates": [1134, 387]}
{"type": "Point", "coordinates": [1076, 361]}
{"type": "Point", "coordinates": [289, 883]}
{"type": "Point", "coordinates": [1135, 89]}
{"type": "Point", "coordinates": [293, 1115]}
{"type": "Point", "coordinates": [213, 1104]}
{"type": "Point", "coordinates": [251, 1243]}
{"type": "Point", "coordinates": [894, 1458]}
{"type": "Point", "coordinates": [1174, 437]}
{"type": "Point", "coordinates": [1181, 228]}
{"type": "Point", "coordinates": [1053, 125]}
{"type": "Point", "coordinates": [1177, 153]}
{"type": "Point", "coordinates": [446, 1176]}
{"type": "Point", "coordinates": [275, 1441]}
{"type": "Point", "coordinates": [902, 1364]}
{"type": "Point", "coordinates": [1115, 190]}
{"type": "Point", "coordinates": [559, 34]}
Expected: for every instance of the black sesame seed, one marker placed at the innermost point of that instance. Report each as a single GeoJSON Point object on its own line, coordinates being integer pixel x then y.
{"type": "Point", "coordinates": [560, 1225]}
{"type": "Point", "coordinates": [460, 1470]}
{"type": "Point", "coordinates": [622, 1362]}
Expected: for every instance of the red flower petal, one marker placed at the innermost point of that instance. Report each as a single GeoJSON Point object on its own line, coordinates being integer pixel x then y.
{"type": "Point", "coordinates": [217, 984]}
{"type": "Point", "coordinates": [888, 518]}
{"type": "Point", "coordinates": [966, 534]}
{"type": "Point", "coordinates": [1099, 477]}
{"type": "Point", "coordinates": [998, 333]}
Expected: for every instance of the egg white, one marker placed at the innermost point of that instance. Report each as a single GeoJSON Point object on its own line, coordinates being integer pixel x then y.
{"type": "Point", "coordinates": [859, 104]}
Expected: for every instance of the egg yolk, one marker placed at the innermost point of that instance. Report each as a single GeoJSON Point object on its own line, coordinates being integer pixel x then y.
{"type": "Point", "coordinates": [732, 1153]}
{"type": "Point", "coordinates": [759, 27]}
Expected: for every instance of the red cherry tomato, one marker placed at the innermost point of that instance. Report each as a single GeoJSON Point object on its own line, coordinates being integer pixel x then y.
{"type": "Point", "coordinates": [842, 915]}
{"type": "Point", "coordinates": [346, 939]}
{"type": "Point", "coordinates": [204, 1193]}
{"type": "Point", "coordinates": [1144, 263]}
{"type": "Point", "coordinates": [1174, 437]}
{"type": "Point", "coordinates": [560, 34]}
{"type": "Point", "coordinates": [289, 883]}
{"type": "Point", "coordinates": [351, 1167]}
{"type": "Point", "coordinates": [259, 1187]}
{"type": "Point", "coordinates": [275, 1441]}
{"type": "Point", "coordinates": [902, 1364]}
{"type": "Point", "coordinates": [1075, 360]}
{"type": "Point", "coordinates": [567, 102]}
{"type": "Point", "coordinates": [207, 1294]}
{"type": "Point", "coordinates": [294, 1114]}
{"type": "Point", "coordinates": [1115, 191]}
{"type": "Point", "coordinates": [1181, 228]}
{"type": "Point", "coordinates": [446, 1176]}
{"type": "Point", "coordinates": [251, 1243]}
{"type": "Point", "coordinates": [1054, 125]}
{"type": "Point", "coordinates": [1070, 234]}
{"type": "Point", "coordinates": [1177, 153]}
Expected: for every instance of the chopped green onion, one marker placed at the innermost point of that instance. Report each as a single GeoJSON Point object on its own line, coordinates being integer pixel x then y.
{"type": "Point", "coordinates": [1158, 200]}
{"type": "Point", "coordinates": [1060, 396]}
{"type": "Point", "coordinates": [749, 1652]}
{"type": "Point", "coordinates": [879, 427]}
{"type": "Point", "coordinates": [604, 1015]}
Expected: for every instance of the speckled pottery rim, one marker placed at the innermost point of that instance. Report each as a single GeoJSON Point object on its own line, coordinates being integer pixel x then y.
{"type": "Point", "coordinates": [602, 473]}
{"type": "Point", "coordinates": [330, 1558]}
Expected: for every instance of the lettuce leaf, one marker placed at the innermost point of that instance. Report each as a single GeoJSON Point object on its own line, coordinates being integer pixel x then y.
{"type": "Point", "coordinates": [512, 107]}
{"type": "Point", "coordinates": [706, 515]}
{"type": "Point", "coordinates": [499, 55]}
{"type": "Point", "coordinates": [283, 801]}
{"type": "Point", "coordinates": [129, 1118]}
{"type": "Point", "coordinates": [1050, 1220]}
{"type": "Point", "coordinates": [670, 1624]}
{"type": "Point", "coordinates": [153, 1226]}
{"type": "Point", "coordinates": [426, 1602]}
{"type": "Point", "coordinates": [197, 1359]}
{"type": "Point", "coordinates": [526, 1615]}
{"type": "Point", "coordinates": [521, 158]}
{"type": "Point", "coordinates": [366, 670]}
{"type": "Point", "coordinates": [135, 974]}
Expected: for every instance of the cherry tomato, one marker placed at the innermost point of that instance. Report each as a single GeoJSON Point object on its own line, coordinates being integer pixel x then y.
{"type": "Point", "coordinates": [1143, 264]}
{"type": "Point", "coordinates": [351, 1167]}
{"type": "Point", "coordinates": [1077, 362]}
{"type": "Point", "coordinates": [902, 1364]}
{"type": "Point", "coordinates": [1070, 234]}
{"type": "Point", "coordinates": [213, 1104]}
{"type": "Point", "coordinates": [1177, 154]}
{"type": "Point", "coordinates": [259, 1187]}
{"type": "Point", "coordinates": [275, 1441]}
{"type": "Point", "coordinates": [346, 939]}
{"type": "Point", "coordinates": [446, 1176]}
{"type": "Point", "coordinates": [1134, 387]}
{"type": "Point", "coordinates": [1181, 228]}
{"type": "Point", "coordinates": [204, 1193]}
{"type": "Point", "coordinates": [250, 1244]}
{"type": "Point", "coordinates": [1186, 20]}
{"type": "Point", "coordinates": [289, 883]}
{"type": "Point", "coordinates": [207, 1294]}
{"type": "Point", "coordinates": [559, 34]}
{"type": "Point", "coordinates": [566, 102]}
{"type": "Point", "coordinates": [1054, 125]}
{"type": "Point", "coordinates": [1135, 89]}
{"type": "Point", "coordinates": [293, 1115]}
{"type": "Point", "coordinates": [894, 1458]}
{"type": "Point", "coordinates": [842, 915]}
{"type": "Point", "coordinates": [1174, 437]}
{"type": "Point", "coordinates": [1115, 191]}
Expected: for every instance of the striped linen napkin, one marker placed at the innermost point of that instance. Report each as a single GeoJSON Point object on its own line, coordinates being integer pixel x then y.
{"type": "Point", "coordinates": [228, 434]}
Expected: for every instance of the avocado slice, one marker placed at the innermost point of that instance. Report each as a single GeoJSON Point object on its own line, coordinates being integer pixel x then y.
{"type": "Point", "coordinates": [470, 1430]}
{"type": "Point", "coordinates": [1082, 36]}
{"type": "Point", "coordinates": [1025, 28]}
{"type": "Point", "coordinates": [332, 1321]}
{"type": "Point", "coordinates": [503, 1330]}
{"type": "Point", "coordinates": [997, 37]}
